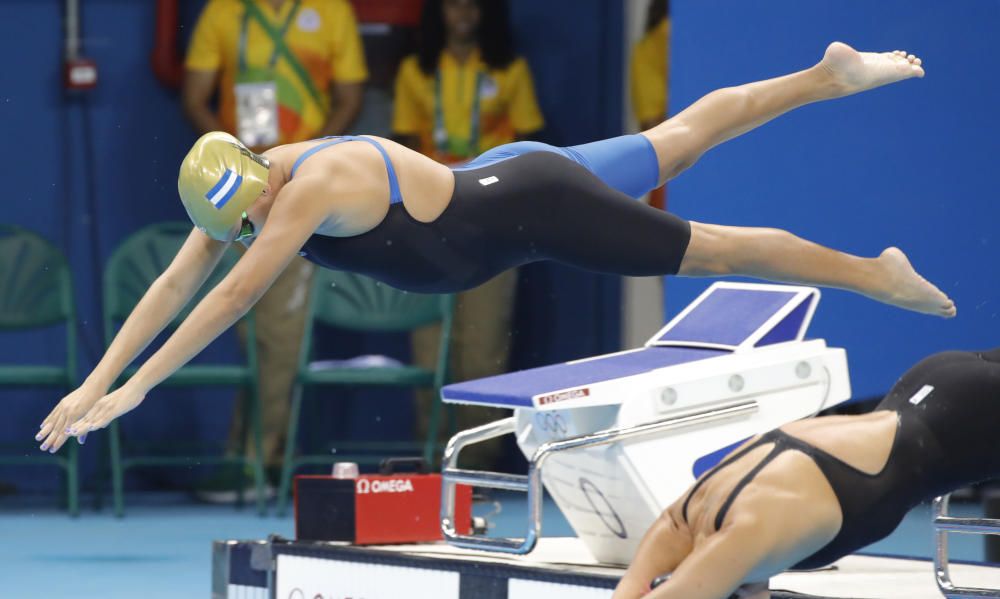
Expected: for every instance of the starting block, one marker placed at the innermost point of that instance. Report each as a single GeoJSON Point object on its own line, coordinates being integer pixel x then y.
{"type": "Point", "coordinates": [616, 438]}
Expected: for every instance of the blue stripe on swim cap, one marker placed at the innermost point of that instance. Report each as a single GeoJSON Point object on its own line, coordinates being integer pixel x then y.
{"type": "Point", "coordinates": [225, 189]}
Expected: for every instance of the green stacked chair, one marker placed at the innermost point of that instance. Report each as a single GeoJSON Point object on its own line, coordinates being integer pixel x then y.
{"type": "Point", "coordinates": [36, 291]}
{"type": "Point", "coordinates": [130, 271]}
{"type": "Point", "coordinates": [358, 303]}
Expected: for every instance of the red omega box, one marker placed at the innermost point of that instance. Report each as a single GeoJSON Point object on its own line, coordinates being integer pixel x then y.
{"type": "Point", "coordinates": [375, 509]}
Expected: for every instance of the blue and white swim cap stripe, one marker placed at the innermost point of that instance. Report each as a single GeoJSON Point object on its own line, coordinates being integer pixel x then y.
{"type": "Point", "coordinates": [225, 189]}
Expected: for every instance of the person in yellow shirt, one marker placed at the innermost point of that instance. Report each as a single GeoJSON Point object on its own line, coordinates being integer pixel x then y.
{"type": "Point", "coordinates": [283, 71]}
{"type": "Point", "coordinates": [649, 75]}
{"type": "Point", "coordinates": [466, 91]}
{"type": "Point", "coordinates": [649, 70]}
{"type": "Point", "coordinates": [304, 57]}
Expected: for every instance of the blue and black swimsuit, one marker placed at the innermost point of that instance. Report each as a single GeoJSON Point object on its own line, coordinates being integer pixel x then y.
{"type": "Point", "coordinates": [519, 203]}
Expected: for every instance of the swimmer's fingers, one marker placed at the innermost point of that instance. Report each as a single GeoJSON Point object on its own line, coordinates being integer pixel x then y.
{"type": "Point", "coordinates": [721, 564]}
{"type": "Point", "coordinates": [758, 590]}
{"type": "Point", "coordinates": [52, 435]}
{"type": "Point", "coordinates": [47, 428]}
{"type": "Point", "coordinates": [106, 410]}
{"type": "Point", "coordinates": [51, 423]}
{"type": "Point", "coordinates": [92, 421]}
{"type": "Point", "coordinates": [57, 441]}
{"type": "Point", "coordinates": [52, 432]}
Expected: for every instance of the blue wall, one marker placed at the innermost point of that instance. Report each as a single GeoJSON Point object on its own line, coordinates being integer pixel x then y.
{"type": "Point", "coordinates": [911, 165]}
{"type": "Point", "coordinates": [139, 138]}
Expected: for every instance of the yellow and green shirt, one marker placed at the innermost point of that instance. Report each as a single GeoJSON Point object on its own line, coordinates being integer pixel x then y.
{"type": "Point", "coordinates": [323, 37]}
{"type": "Point", "coordinates": [507, 104]}
{"type": "Point", "coordinates": [649, 74]}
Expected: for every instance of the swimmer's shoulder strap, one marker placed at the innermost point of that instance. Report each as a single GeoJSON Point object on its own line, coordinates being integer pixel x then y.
{"type": "Point", "coordinates": [395, 195]}
{"type": "Point", "coordinates": [729, 460]}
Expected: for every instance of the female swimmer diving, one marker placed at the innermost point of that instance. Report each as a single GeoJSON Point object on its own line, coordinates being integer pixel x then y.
{"type": "Point", "coordinates": [372, 206]}
{"type": "Point", "coordinates": [813, 491]}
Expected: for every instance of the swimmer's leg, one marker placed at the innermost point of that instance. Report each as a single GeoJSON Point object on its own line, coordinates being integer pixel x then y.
{"type": "Point", "coordinates": [778, 255]}
{"type": "Point", "coordinates": [729, 112]}
{"type": "Point", "coordinates": [543, 206]}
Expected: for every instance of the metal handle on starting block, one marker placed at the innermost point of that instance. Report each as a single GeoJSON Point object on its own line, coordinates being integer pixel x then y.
{"type": "Point", "coordinates": [532, 482]}
{"type": "Point", "coordinates": [451, 476]}
{"type": "Point", "coordinates": [944, 524]}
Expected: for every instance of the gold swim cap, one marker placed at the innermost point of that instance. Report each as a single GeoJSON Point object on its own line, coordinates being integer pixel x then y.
{"type": "Point", "coordinates": [219, 179]}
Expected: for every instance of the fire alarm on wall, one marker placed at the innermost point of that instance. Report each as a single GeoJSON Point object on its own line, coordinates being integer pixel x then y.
{"type": "Point", "coordinates": [81, 73]}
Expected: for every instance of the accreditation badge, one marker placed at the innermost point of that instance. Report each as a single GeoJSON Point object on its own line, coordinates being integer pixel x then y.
{"type": "Point", "coordinates": [440, 136]}
{"type": "Point", "coordinates": [488, 87]}
{"type": "Point", "coordinates": [257, 113]}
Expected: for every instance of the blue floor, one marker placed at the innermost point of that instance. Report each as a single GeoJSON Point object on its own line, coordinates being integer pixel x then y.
{"type": "Point", "coordinates": [162, 548]}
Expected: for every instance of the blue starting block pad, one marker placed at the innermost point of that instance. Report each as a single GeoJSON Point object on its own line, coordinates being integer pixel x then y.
{"type": "Point", "coordinates": [725, 319]}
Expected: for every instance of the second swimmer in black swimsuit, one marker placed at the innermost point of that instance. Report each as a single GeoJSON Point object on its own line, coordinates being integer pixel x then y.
{"type": "Point", "coordinates": [812, 492]}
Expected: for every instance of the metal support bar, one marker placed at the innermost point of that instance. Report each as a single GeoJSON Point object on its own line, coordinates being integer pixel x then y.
{"type": "Point", "coordinates": [944, 524]}
{"type": "Point", "coordinates": [532, 483]}
{"type": "Point", "coordinates": [71, 36]}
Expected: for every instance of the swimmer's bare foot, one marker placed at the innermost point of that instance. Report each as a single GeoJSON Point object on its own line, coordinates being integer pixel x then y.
{"type": "Point", "coordinates": [905, 288]}
{"type": "Point", "coordinates": [854, 71]}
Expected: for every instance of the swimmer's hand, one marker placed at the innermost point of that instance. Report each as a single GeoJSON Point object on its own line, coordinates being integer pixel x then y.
{"type": "Point", "coordinates": [759, 590]}
{"type": "Point", "coordinates": [123, 400]}
{"type": "Point", "coordinates": [72, 407]}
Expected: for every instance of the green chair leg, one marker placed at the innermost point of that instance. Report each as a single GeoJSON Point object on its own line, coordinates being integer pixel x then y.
{"type": "Point", "coordinates": [288, 466]}
{"type": "Point", "coordinates": [256, 428]}
{"type": "Point", "coordinates": [241, 447]}
{"type": "Point", "coordinates": [117, 475]}
{"type": "Point", "coordinates": [73, 479]}
{"type": "Point", "coordinates": [452, 420]}
{"type": "Point", "coordinates": [100, 477]}
{"type": "Point", "coordinates": [430, 445]}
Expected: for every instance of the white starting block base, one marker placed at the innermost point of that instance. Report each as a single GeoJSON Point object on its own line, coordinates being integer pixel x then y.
{"type": "Point", "coordinates": [623, 435]}
{"type": "Point", "coordinates": [558, 567]}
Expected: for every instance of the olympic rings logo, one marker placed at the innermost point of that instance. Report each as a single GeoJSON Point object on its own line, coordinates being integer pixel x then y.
{"type": "Point", "coordinates": [602, 507]}
{"type": "Point", "coordinates": [552, 422]}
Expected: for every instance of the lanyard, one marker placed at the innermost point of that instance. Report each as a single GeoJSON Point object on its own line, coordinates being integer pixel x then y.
{"type": "Point", "coordinates": [440, 134]}
{"type": "Point", "coordinates": [277, 37]}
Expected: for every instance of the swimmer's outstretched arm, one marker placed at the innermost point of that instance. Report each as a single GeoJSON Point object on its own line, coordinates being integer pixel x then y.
{"type": "Point", "coordinates": [714, 569]}
{"type": "Point", "coordinates": [294, 217]}
{"type": "Point", "coordinates": [663, 548]}
{"type": "Point", "coordinates": [164, 299]}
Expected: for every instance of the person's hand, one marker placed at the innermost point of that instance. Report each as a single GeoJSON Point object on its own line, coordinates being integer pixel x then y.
{"type": "Point", "coordinates": [72, 407]}
{"type": "Point", "coordinates": [756, 590]}
{"type": "Point", "coordinates": [124, 399]}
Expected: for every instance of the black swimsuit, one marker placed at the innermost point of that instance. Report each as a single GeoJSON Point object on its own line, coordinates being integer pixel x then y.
{"type": "Point", "coordinates": [949, 411]}
{"type": "Point", "coordinates": [521, 203]}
